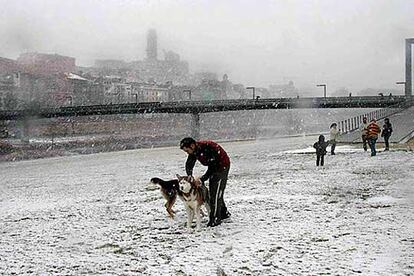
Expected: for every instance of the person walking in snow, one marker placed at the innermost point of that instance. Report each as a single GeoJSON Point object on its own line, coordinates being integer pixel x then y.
{"type": "Point", "coordinates": [320, 147]}
{"type": "Point", "coordinates": [212, 155]}
{"type": "Point", "coordinates": [334, 136]}
{"type": "Point", "coordinates": [386, 133]}
{"type": "Point", "coordinates": [372, 135]}
{"type": "Point", "coordinates": [364, 130]}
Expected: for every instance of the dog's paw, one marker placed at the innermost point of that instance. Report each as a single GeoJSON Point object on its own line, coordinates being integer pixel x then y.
{"type": "Point", "coordinates": [170, 214]}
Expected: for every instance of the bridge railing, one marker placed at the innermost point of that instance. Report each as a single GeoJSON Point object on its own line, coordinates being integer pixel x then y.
{"type": "Point", "coordinates": [196, 107]}
{"type": "Point", "coordinates": [353, 123]}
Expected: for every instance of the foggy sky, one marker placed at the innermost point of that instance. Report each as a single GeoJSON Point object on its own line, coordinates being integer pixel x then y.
{"type": "Point", "coordinates": [354, 44]}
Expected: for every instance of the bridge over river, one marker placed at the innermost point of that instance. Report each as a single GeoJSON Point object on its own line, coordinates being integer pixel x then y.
{"type": "Point", "coordinates": [195, 108]}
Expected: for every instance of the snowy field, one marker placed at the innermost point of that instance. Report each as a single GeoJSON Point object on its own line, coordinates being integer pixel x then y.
{"type": "Point", "coordinates": [98, 214]}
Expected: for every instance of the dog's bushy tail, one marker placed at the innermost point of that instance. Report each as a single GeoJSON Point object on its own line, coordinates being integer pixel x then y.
{"type": "Point", "coordinates": [165, 184]}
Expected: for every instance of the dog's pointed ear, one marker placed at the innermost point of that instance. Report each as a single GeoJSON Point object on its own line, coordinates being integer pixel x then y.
{"type": "Point", "coordinates": [178, 176]}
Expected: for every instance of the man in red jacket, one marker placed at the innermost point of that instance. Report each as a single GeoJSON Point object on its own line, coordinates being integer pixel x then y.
{"type": "Point", "coordinates": [212, 155]}
{"type": "Point", "coordinates": [373, 130]}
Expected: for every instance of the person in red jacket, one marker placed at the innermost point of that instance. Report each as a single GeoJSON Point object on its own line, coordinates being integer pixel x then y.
{"type": "Point", "coordinates": [373, 130]}
{"type": "Point", "coordinates": [212, 155]}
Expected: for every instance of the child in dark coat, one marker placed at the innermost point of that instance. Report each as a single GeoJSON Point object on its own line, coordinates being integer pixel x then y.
{"type": "Point", "coordinates": [320, 147]}
{"type": "Point", "coordinates": [386, 133]}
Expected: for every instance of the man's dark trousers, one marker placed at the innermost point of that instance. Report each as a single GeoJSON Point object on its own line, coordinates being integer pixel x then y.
{"type": "Point", "coordinates": [217, 185]}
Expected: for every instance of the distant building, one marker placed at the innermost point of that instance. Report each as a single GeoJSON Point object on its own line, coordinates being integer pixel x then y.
{"type": "Point", "coordinates": [208, 87]}
{"type": "Point", "coordinates": [110, 63]}
{"type": "Point", "coordinates": [152, 45]}
{"type": "Point", "coordinates": [171, 69]}
{"type": "Point", "coordinates": [83, 91]}
{"type": "Point", "coordinates": [21, 88]}
{"type": "Point", "coordinates": [8, 97]}
{"type": "Point", "coordinates": [147, 92]}
{"type": "Point", "coordinates": [8, 66]}
{"type": "Point", "coordinates": [181, 93]}
{"type": "Point", "coordinates": [114, 89]}
{"type": "Point", "coordinates": [231, 91]}
{"type": "Point", "coordinates": [36, 77]}
{"type": "Point", "coordinates": [200, 77]}
{"type": "Point", "coordinates": [47, 90]}
{"type": "Point", "coordinates": [210, 90]}
{"type": "Point", "coordinates": [161, 71]}
{"type": "Point", "coordinates": [240, 90]}
{"type": "Point", "coordinates": [261, 92]}
{"type": "Point", "coordinates": [45, 64]}
{"type": "Point", "coordinates": [282, 91]}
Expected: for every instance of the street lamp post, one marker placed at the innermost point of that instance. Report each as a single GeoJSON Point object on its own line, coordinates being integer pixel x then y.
{"type": "Point", "coordinates": [189, 93]}
{"type": "Point", "coordinates": [70, 100]}
{"type": "Point", "coordinates": [136, 97]}
{"type": "Point", "coordinates": [324, 89]}
{"type": "Point", "coordinates": [408, 67]}
{"type": "Point", "coordinates": [402, 82]}
{"type": "Point", "coordinates": [253, 89]}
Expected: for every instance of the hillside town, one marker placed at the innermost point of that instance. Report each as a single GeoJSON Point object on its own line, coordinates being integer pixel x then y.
{"type": "Point", "coordinates": [50, 80]}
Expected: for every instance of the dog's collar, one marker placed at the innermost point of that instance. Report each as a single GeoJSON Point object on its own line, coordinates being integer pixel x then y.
{"type": "Point", "coordinates": [187, 195]}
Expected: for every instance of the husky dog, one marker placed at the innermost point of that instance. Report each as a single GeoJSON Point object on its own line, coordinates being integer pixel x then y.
{"type": "Point", "coordinates": [194, 194]}
{"type": "Point", "coordinates": [169, 190]}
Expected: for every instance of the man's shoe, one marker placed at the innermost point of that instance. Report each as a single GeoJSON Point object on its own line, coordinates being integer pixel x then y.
{"type": "Point", "coordinates": [226, 216]}
{"type": "Point", "coordinates": [213, 223]}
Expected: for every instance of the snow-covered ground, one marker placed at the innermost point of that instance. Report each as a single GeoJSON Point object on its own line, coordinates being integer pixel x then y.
{"type": "Point", "coordinates": [98, 214]}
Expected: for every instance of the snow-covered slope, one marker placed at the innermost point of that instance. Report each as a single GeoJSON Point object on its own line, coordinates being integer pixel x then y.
{"type": "Point", "coordinates": [98, 214]}
{"type": "Point", "coordinates": [402, 123]}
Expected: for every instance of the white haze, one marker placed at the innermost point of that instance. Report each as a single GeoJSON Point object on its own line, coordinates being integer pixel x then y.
{"type": "Point", "coordinates": [352, 44]}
